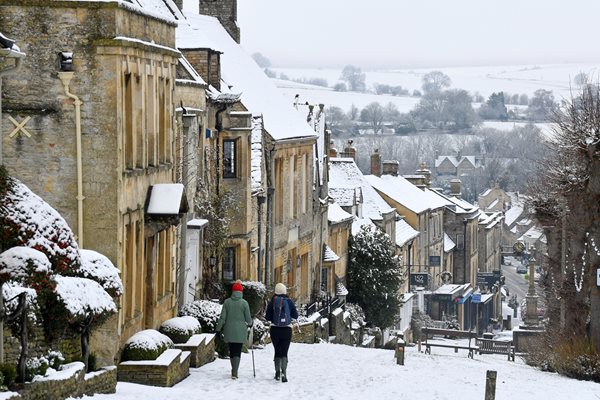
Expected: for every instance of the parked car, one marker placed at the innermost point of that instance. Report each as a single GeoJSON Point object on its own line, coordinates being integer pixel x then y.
{"type": "Point", "coordinates": [521, 269]}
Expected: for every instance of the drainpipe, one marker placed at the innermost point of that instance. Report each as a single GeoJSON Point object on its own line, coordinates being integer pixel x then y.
{"type": "Point", "coordinates": [260, 200]}
{"type": "Point", "coordinates": [5, 71]}
{"type": "Point", "coordinates": [65, 78]}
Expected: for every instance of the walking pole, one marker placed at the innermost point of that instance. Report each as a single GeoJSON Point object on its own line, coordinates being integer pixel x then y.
{"type": "Point", "coordinates": [251, 342]}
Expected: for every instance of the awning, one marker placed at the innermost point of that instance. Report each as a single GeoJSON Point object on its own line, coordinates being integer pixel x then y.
{"type": "Point", "coordinates": [466, 295]}
{"type": "Point", "coordinates": [166, 199]}
{"type": "Point", "coordinates": [197, 223]}
{"type": "Point", "coordinates": [329, 255]}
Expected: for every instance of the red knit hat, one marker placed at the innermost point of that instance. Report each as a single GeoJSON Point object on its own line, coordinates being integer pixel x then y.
{"type": "Point", "coordinates": [237, 287]}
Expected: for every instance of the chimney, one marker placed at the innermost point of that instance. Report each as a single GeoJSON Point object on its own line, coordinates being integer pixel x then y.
{"type": "Point", "coordinates": [455, 186]}
{"type": "Point", "coordinates": [332, 150]}
{"type": "Point", "coordinates": [226, 12]}
{"type": "Point", "coordinates": [458, 155]}
{"type": "Point", "coordinates": [376, 163]}
{"type": "Point", "coordinates": [426, 172]}
{"type": "Point", "coordinates": [417, 180]}
{"type": "Point", "coordinates": [350, 150]}
{"type": "Point", "coordinates": [390, 167]}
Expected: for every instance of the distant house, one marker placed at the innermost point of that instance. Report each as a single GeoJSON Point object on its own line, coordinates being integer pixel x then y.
{"type": "Point", "coordinates": [456, 166]}
{"type": "Point", "coordinates": [494, 199]}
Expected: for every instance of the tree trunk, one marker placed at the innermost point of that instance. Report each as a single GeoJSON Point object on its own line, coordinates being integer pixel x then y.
{"type": "Point", "coordinates": [85, 347]}
{"type": "Point", "coordinates": [21, 370]}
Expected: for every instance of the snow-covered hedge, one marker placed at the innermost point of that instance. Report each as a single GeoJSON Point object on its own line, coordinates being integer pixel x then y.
{"type": "Point", "coordinates": [19, 263]}
{"type": "Point", "coordinates": [99, 268]}
{"type": "Point", "coordinates": [180, 329]}
{"type": "Point", "coordinates": [205, 311]}
{"type": "Point", "coordinates": [260, 331]}
{"type": "Point", "coordinates": [254, 293]}
{"type": "Point", "coordinates": [146, 345]}
{"type": "Point", "coordinates": [29, 221]}
{"type": "Point", "coordinates": [83, 298]}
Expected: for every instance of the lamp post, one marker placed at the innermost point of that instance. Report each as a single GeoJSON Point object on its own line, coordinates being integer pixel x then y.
{"type": "Point", "coordinates": [531, 318]}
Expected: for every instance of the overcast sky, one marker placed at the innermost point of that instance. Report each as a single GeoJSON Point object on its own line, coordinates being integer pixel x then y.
{"type": "Point", "coordinates": [411, 33]}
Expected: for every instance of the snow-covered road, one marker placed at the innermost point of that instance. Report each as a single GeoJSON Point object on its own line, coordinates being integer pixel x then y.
{"type": "Point", "coordinates": [328, 371]}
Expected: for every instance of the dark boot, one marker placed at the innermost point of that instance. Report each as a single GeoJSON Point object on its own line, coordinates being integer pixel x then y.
{"type": "Point", "coordinates": [284, 361]}
{"type": "Point", "coordinates": [277, 368]}
{"type": "Point", "coordinates": [235, 365]}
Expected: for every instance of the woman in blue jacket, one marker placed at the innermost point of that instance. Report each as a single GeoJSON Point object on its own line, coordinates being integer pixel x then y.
{"type": "Point", "coordinates": [280, 311]}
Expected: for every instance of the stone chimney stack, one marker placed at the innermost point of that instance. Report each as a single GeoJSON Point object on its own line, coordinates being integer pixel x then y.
{"type": "Point", "coordinates": [390, 167]}
{"type": "Point", "coordinates": [332, 150]}
{"type": "Point", "coordinates": [426, 172]}
{"type": "Point", "coordinates": [226, 12]}
{"type": "Point", "coordinates": [350, 150]}
{"type": "Point", "coordinates": [376, 163]}
{"type": "Point", "coordinates": [455, 187]}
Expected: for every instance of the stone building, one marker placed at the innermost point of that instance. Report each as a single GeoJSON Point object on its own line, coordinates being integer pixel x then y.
{"type": "Point", "coordinates": [95, 110]}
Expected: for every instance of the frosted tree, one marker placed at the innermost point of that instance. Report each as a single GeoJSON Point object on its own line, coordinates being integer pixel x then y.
{"type": "Point", "coordinates": [566, 196]}
{"type": "Point", "coordinates": [374, 276]}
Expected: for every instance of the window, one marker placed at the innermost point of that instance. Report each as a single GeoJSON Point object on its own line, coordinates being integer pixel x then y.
{"type": "Point", "coordinates": [229, 264]}
{"type": "Point", "coordinates": [292, 186]}
{"type": "Point", "coordinates": [324, 279]}
{"type": "Point", "coordinates": [278, 190]}
{"type": "Point", "coordinates": [150, 121]}
{"type": "Point", "coordinates": [128, 122]}
{"type": "Point", "coordinates": [460, 241]}
{"type": "Point", "coordinates": [229, 158]}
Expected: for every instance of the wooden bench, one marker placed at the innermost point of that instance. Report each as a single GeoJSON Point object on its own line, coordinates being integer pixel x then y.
{"type": "Point", "coordinates": [452, 333]}
{"type": "Point", "coordinates": [490, 346]}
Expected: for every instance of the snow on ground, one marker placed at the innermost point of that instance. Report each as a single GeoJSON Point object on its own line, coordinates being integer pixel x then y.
{"type": "Point", "coordinates": [329, 371]}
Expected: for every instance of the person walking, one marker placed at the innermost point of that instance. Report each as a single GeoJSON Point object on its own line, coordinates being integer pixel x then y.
{"type": "Point", "coordinates": [233, 325]}
{"type": "Point", "coordinates": [280, 312]}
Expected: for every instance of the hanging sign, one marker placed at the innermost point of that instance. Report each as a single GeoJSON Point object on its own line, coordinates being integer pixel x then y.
{"type": "Point", "coordinates": [598, 277]}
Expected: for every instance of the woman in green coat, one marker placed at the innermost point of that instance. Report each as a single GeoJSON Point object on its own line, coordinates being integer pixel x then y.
{"type": "Point", "coordinates": [233, 325]}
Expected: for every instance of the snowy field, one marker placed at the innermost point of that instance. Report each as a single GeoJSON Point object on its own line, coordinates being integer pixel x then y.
{"type": "Point", "coordinates": [484, 79]}
{"type": "Point", "coordinates": [328, 371]}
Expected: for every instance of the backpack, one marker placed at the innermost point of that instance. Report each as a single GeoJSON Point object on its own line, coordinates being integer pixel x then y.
{"type": "Point", "coordinates": [281, 311]}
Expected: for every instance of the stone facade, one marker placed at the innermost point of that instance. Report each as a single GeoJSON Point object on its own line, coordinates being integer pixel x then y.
{"type": "Point", "coordinates": [119, 96]}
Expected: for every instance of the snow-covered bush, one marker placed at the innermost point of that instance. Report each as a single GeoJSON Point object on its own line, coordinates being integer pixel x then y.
{"type": "Point", "coordinates": [29, 221]}
{"type": "Point", "coordinates": [254, 293]}
{"type": "Point", "coordinates": [418, 322]}
{"type": "Point", "coordinates": [36, 366]}
{"type": "Point", "coordinates": [356, 313]}
{"type": "Point", "coordinates": [146, 345]}
{"type": "Point", "coordinates": [205, 311]}
{"type": "Point", "coordinates": [260, 331]}
{"type": "Point", "coordinates": [19, 264]}
{"type": "Point", "coordinates": [180, 329]}
{"type": "Point", "coordinates": [99, 268]}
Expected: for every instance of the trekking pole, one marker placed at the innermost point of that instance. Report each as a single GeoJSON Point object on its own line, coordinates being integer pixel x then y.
{"type": "Point", "coordinates": [251, 341]}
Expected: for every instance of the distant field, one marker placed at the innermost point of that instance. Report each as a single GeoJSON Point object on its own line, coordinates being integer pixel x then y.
{"type": "Point", "coordinates": [485, 80]}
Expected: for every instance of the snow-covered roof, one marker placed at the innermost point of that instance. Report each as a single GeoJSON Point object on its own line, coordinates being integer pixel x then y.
{"type": "Point", "coordinates": [241, 72]}
{"type": "Point", "coordinates": [404, 233]}
{"type": "Point", "coordinates": [166, 199]}
{"type": "Point", "coordinates": [344, 196]}
{"type": "Point", "coordinates": [402, 191]}
{"type": "Point", "coordinates": [493, 204]}
{"type": "Point", "coordinates": [197, 223]}
{"type": "Point", "coordinates": [490, 219]}
{"type": "Point", "coordinates": [448, 243]}
{"type": "Point", "coordinates": [340, 289]}
{"type": "Point", "coordinates": [335, 214]}
{"type": "Point", "coordinates": [343, 172]}
{"type": "Point", "coordinates": [329, 255]}
{"type": "Point", "coordinates": [534, 233]}
{"type": "Point", "coordinates": [456, 204]}
{"type": "Point", "coordinates": [359, 223]}
{"type": "Point", "coordinates": [448, 288]}
{"type": "Point", "coordinates": [511, 215]}
{"type": "Point", "coordinates": [454, 160]}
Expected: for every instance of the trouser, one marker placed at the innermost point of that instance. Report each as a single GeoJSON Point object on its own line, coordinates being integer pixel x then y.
{"type": "Point", "coordinates": [281, 338]}
{"type": "Point", "coordinates": [235, 350]}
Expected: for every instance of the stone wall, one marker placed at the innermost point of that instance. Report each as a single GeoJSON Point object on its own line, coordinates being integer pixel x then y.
{"type": "Point", "coordinates": [341, 328]}
{"type": "Point", "coordinates": [70, 346]}
{"type": "Point", "coordinates": [304, 334]}
{"type": "Point", "coordinates": [201, 348]}
{"type": "Point", "coordinates": [75, 384]}
{"type": "Point", "coordinates": [168, 369]}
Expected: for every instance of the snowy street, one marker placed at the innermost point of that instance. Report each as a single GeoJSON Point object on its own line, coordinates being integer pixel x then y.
{"type": "Point", "coordinates": [328, 371]}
